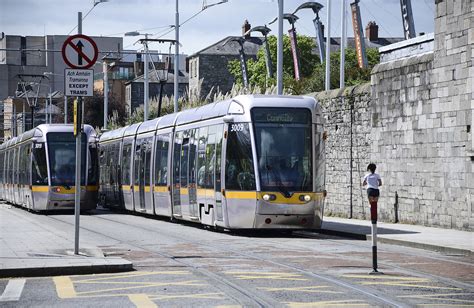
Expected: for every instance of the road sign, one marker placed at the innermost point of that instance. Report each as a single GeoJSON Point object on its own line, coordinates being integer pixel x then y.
{"type": "Point", "coordinates": [79, 51]}
{"type": "Point", "coordinates": [78, 82]}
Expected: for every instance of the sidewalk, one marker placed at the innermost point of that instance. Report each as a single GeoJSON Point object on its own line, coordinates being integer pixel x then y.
{"type": "Point", "coordinates": [29, 247]}
{"type": "Point", "coordinates": [446, 241]}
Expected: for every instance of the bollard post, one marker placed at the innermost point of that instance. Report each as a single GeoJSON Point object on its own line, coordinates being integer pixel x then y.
{"type": "Point", "coordinates": [373, 218]}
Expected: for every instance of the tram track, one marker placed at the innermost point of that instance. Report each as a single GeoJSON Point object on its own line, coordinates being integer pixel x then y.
{"type": "Point", "coordinates": [256, 298]}
{"type": "Point", "coordinates": [242, 296]}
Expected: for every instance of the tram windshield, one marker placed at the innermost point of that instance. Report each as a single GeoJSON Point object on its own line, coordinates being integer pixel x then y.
{"type": "Point", "coordinates": [284, 152]}
{"type": "Point", "coordinates": [62, 158]}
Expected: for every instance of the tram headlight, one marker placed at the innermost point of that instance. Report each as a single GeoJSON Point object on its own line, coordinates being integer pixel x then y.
{"type": "Point", "coordinates": [269, 197]}
{"type": "Point", "coordinates": [305, 198]}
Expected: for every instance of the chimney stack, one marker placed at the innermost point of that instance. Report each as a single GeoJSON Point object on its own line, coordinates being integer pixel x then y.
{"type": "Point", "coordinates": [245, 28]}
{"type": "Point", "coordinates": [372, 31]}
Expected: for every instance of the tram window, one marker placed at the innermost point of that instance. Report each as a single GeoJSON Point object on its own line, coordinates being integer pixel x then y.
{"type": "Point", "coordinates": [239, 174]}
{"type": "Point", "coordinates": [92, 172]}
{"type": "Point", "coordinates": [62, 158]}
{"type": "Point", "coordinates": [2, 157]}
{"type": "Point", "coordinates": [176, 157]}
{"type": "Point", "coordinates": [137, 164]}
{"type": "Point", "coordinates": [201, 161]}
{"type": "Point", "coordinates": [39, 170]}
{"type": "Point", "coordinates": [210, 159]}
{"type": "Point", "coordinates": [192, 157]}
{"type": "Point", "coordinates": [184, 160]}
{"type": "Point", "coordinates": [320, 153]}
{"type": "Point", "coordinates": [283, 138]}
{"type": "Point", "coordinates": [161, 160]}
{"type": "Point", "coordinates": [218, 156]}
{"type": "Point", "coordinates": [126, 159]}
{"type": "Point", "coordinates": [147, 164]}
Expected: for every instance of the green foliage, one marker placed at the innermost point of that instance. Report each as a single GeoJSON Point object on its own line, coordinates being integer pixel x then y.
{"type": "Point", "coordinates": [312, 70]}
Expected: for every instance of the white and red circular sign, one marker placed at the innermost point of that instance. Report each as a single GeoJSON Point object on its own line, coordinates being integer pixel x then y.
{"type": "Point", "coordinates": [79, 51]}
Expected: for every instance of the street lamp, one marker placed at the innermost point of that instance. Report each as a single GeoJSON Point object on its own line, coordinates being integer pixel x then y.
{"type": "Point", "coordinates": [264, 30]}
{"type": "Point", "coordinates": [316, 7]}
{"type": "Point", "coordinates": [145, 70]}
{"type": "Point", "coordinates": [292, 18]}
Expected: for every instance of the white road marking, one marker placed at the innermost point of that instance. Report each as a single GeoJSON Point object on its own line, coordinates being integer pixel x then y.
{"type": "Point", "coordinates": [13, 290]}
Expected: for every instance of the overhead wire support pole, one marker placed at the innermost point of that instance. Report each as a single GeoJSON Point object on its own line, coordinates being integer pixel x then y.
{"type": "Point", "coordinates": [176, 57]}
{"type": "Point", "coordinates": [328, 48]}
{"type": "Point", "coordinates": [145, 80]}
{"type": "Point", "coordinates": [280, 48]}
{"type": "Point", "coordinates": [343, 45]}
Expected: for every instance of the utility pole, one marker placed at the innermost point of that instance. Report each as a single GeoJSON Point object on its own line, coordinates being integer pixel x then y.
{"type": "Point", "coordinates": [343, 45]}
{"type": "Point", "coordinates": [145, 80]}
{"type": "Point", "coordinates": [106, 91]}
{"type": "Point", "coordinates": [176, 58]}
{"type": "Point", "coordinates": [280, 49]}
{"type": "Point", "coordinates": [328, 48]}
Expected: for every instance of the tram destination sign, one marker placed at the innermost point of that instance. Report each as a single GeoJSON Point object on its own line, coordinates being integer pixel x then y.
{"type": "Point", "coordinates": [78, 82]}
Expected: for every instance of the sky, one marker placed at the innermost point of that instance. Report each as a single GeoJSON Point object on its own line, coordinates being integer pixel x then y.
{"type": "Point", "coordinates": [115, 17]}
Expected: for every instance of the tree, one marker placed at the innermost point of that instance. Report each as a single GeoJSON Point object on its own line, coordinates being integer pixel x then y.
{"type": "Point", "coordinates": [312, 71]}
{"type": "Point", "coordinates": [257, 70]}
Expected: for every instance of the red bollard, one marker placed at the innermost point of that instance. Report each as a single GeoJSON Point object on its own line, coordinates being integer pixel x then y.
{"type": "Point", "coordinates": [373, 218]}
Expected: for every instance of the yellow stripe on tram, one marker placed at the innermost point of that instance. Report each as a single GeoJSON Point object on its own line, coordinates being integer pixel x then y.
{"type": "Point", "coordinates": [40, 188]}
{"type": "Point", "coordinates": [161, 189]}
{"type": "Point", "coordinates": [241, 194]}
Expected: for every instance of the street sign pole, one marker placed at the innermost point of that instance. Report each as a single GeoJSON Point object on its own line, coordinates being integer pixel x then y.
{"type": "Point", "coordinates": [78, 130]}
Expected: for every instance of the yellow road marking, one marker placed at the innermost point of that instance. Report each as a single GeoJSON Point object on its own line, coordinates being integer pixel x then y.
{"type": "Point", "coordinates": [144, 285]}
{"type": "Point", "coordinates": [315, 289]}
{"type": "Point", "coordinates": [64, 287]}
{"type": "Point", "coordinates": [134, 274]}
{"type": "Point", "coordinates": [260, 275]}
{"type": "Point", "coordinates": [398, 284]}
{"type": "Point", "coordinates": [348, 302]}
{"type": "Point", "coordinates": [387, 277]}
{"type": "Point", "coordinates": [434, 295]}
{"type": "Point", "coordinates": [200, 296]}
{"type": "Point", "coordinates": [141, 301]}
{"type": "Point", "coordinates": [445, 305]}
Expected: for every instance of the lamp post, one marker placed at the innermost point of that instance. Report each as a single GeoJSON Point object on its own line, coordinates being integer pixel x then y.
{"type": "Point", "coordinates": [280, 48]}
{"type": "Point", "coordinates": [145, 70]}
{"type": "Point", "coordinates": [162, 74]}
{"type": "Point", "coordinates": [264, 30]}
{"type": "Point", "coordinates": [316, 7]}
{"type": "Point", "coordinates": [105, 68]}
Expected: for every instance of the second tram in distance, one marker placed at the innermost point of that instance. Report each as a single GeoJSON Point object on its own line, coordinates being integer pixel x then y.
{"type": "Point", "coordinates": [250, 162]}
{"type": "Point", "coordinates": [37, 168]}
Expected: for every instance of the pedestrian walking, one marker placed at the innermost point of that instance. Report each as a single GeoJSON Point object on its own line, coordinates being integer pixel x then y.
{"type": "Point", "coordinates": [373, 182]}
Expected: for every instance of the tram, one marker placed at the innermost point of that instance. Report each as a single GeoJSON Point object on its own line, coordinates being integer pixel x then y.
{"type": "Point", "coordinates": [37, 168]}
{"type": "Point", "coordinates": [251, 162]}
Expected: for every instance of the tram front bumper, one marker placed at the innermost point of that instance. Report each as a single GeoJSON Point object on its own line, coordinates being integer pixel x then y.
{"type": "Point", "coordinates": [287, 222]}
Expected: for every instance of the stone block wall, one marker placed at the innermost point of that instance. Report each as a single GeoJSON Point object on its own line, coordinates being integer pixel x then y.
{"type": "Point", "coordinates": [415, 122]}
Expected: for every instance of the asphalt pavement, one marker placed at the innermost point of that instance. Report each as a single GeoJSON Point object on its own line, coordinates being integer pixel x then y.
{"type": "Point", "coordinates": [31, 247]}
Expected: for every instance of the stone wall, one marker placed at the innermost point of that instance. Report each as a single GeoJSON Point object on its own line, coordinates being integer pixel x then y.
{"type": "Point", "coordinates": [415, 122]}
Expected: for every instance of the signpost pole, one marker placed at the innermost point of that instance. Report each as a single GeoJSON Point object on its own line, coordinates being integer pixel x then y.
{"type": "Point", "coordinates": [77, 125]}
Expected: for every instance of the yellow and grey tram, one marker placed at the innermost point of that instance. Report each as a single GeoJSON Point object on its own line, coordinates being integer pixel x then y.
{"type": "Point", "coordinates": [250, 162]}
{"type": "Point", "coordinates": [37, 168]}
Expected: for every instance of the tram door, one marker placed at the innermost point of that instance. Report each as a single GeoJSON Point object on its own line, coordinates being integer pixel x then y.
{"type": "Point", "coordinates": [127, 185]}
{"type": "Point", "coordinates": [139, 176]}
{"type": "Point", "coordinates": [176, 175]}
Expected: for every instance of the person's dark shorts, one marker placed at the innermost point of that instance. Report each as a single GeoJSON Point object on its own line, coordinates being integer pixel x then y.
{"type": "Point", "coordinates": [372, 192]}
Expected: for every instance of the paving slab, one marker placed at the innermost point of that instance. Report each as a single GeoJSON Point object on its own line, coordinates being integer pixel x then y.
{"type": "Point", "coordinates": [447, 241]}
{"type": "Point", "coordinates": [31, 247]}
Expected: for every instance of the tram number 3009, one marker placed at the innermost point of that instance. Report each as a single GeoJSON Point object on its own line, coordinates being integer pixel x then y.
{"type": "Point", "coordinates": [237, 127]}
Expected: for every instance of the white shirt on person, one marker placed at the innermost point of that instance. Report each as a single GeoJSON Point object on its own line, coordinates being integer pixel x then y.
{"type": "Point", "coordinates": [372, 180]}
